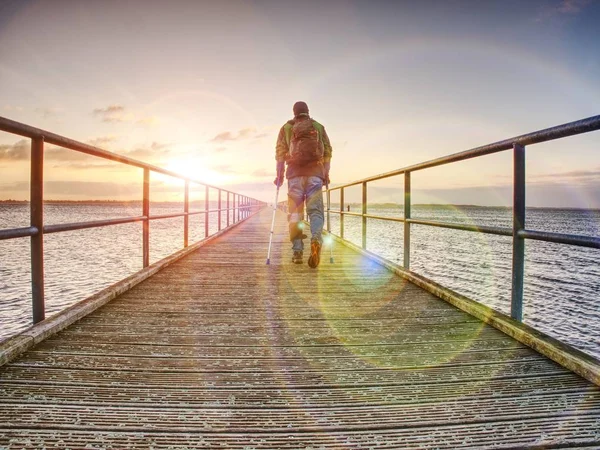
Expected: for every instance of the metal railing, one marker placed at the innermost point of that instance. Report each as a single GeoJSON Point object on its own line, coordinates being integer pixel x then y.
{"type": "Point", "coordinates": [241, 206]}
{"type": "Point", "coordinates": [518, 231]}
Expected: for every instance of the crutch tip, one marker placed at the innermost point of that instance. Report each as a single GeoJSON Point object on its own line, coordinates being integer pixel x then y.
{"type": "Point", "coordinates": [331, 260]}
{"type": "Point", "coordinates": [268, 262]}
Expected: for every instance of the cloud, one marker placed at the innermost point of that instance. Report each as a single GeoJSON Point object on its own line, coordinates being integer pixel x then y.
{"type": "Point", "coordinates": [564, 8]}
{"type": "Point", "coordinates": [82, 189]}
{"type": "Point", "coordinates": [19, 151]}
{"type": "Point", "coordinates": [118, 113]}
{"type": "Point", "coordinates": [224, 168]}
{"type": "Point", "coordinates": [62, 154]}
{"type": "Point", "coordinates": [572, 6]}
{"type": "Point", "coordinates": [13, 108]}
{"type": "Point", "coordinates": [101, 141]}
{"type": "Point", "coordinates": [244, 133]}
{"type": "Point", "coordinates": [580, 177]}
{"type": "Point", "coordinates": [48, 112]}
{"type": "Point", "coordinates": [113, 113]}
{"type": "Point", "coordinates": [112, 109]}
{"type": "Point", "coordinates": [150, 121]}
{"type": "Point", "coordinates": [263, 173]}
{"type": "Point", "coordinates": [570, 176]}
{"type": "Point", "coordinates": [220, 149]}
{"type": "Point", "coordinates": [222, 137]}
{"type": "Point", "coordinates": [94, 166]}
{"type": "Point", "coordinates": [155, 151]}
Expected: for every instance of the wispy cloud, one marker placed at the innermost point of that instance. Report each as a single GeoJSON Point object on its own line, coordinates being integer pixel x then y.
{"type": "Point", "coordinates": [112, 113]}
{"type": "Point", "coordinates": [225, 169]}
{"type": "Point", "coordinates": [244, 133]}
{"type": "Point", "coordinates": [573, 176]}
{"type": "Point", "coordinates": [47, 113]}
{"type": "Point", "coordinates": [154, 152]}
{"type": "Point", "coordinates": [102, 141]}
{"type": "Point", "coordinates": [18, 151]}
{"type": "Point", "coordinates": [81, 189]}
{"type": "Point", "coordinates": [260, 173]}
{"type": "Point", "coordinates": [118, 113]}
{"type": "Point", "coordinates": [563, 8]}
{"type": "Point", "coordinates": [572, 6]}
{"type": "Point", "coordinates": [13, 108]}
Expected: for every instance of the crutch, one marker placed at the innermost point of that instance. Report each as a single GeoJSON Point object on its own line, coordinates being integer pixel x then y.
{"type": "Point", "coordinates": [272, 226]}
{"type": "Point", "coordinates": [329, 223]}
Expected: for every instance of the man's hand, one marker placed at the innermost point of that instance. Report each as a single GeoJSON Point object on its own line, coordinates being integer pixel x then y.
{"type": "Point", "coordinates": [280, 172]}
{"type": "Point", "coordinates": [327, 166]}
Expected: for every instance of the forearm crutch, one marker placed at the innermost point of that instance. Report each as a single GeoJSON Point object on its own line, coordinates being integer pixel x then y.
{"type": "Point", "coordinates": [329, 223]}
{"type": "Point", "coordinates": [272, 226]}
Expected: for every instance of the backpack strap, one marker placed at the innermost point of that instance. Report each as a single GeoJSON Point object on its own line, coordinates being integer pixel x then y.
{"type": "Point", "coordinates": [319, 129]}
{"type": "Point", "coordinates": [287, 128]}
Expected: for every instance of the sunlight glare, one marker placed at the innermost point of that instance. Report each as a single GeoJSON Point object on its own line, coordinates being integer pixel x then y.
{"type": "Point", "coordinates": [196, 170]}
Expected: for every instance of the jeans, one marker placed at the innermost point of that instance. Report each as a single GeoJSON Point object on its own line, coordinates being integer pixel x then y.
{"type": "Point", "coordinates": [299, 189]}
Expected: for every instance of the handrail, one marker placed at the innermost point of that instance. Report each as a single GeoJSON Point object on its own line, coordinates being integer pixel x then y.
{"type": "Point", "coordinates": [243, 205]}
{"type": "Point", "coordinates": [518, 231]}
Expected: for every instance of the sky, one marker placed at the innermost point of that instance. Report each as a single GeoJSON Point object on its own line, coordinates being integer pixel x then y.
{"type": "Point", "coordinates": [202, 88]}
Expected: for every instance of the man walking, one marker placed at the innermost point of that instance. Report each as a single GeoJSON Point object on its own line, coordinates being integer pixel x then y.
{"type": "Point", "coordinates": [304, 145]}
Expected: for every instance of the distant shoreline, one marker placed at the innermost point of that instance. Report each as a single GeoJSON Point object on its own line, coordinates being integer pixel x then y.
{"type": "Point", "coordinates": [352, 205]}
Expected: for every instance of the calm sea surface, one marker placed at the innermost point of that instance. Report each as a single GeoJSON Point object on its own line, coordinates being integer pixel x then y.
{"type": "Point", "coordinates": [562, 283]}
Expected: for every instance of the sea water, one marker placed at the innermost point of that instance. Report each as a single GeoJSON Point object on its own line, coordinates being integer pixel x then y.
{"type": "Point", "coordinates": [562, 282]}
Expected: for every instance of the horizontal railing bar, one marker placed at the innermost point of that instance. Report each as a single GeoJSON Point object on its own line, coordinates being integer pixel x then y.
{"type": "Point", "coordinates": [454, 226]}
{"type": "Point", "coordinates": [21, 129]}
{"type": "Point", "coordinates": [12, 233]}
{"type": "Point", "coordinates": [548, 134]}
{"type": "Point", "coordinates": [368, 216]}
{"type": "Point", "coordinates": [457, 226]}
{"type": "Point", "coordinates": [346, 213]}
{"type": "Point", "coordinates": [571, 239]}
{"type": "Point", "coordinates": [183, 214]}
{"type": "Point", "coordinates": [60, 227]}
{"type": "Point", "coordinates": [168, 216]}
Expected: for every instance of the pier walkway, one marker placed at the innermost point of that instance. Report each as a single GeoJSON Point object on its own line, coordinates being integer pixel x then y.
{"type": "Point", "coordinates": [220, 350]}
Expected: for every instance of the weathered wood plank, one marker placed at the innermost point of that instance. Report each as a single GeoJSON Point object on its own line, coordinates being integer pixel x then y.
{"type": "Point", "coordinates": [221, 350]}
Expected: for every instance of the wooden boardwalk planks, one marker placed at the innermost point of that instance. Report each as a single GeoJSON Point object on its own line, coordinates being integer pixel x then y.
{"type": "Point", "coordinates": [220, 350]}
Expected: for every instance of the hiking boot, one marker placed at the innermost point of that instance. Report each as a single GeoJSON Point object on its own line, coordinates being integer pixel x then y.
{"type": "Point", "coordinates": [297, 257]}
{"type": "Point", "coordinates": [315, 254]}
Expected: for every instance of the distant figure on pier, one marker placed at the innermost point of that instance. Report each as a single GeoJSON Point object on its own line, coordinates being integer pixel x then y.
{"type": "Point", "coordinates": [348, 208]}
{"type": "Point", "coordinates": [304, 145]}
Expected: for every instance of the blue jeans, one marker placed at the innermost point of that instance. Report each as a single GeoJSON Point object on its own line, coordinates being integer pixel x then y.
{"type": "Point", "coordinates": [299, 190]}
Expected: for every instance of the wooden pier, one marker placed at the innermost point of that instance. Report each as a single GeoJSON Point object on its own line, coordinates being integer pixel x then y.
{"type": "Point", "coordinates": [220, 350]}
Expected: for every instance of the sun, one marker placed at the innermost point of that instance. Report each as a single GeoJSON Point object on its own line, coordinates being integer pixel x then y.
{"type": "Point", "coordinates": [198, 170]}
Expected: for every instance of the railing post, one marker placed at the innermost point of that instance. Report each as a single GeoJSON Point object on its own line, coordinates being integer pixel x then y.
{"type": "Point", "coordinates": [238, 207]}
{"type": "Point", "coordinates": [228, 209]}
{"type": "Point", "coordinates": [146, 222]}
{"type": "Point", "coordinates": [186, 210]}
{"type": "Point", "coordinates": [364, 212]}
{"type": "Point", "coordinates": [342, 213]}
{"type": "Point", "coordinates": [406, 218]}
{"type": "Point", "coordinates": [37, 221]}
{"type": "Point", "coordinates": [518, 262]}
{"type": "Point", "coordinates": [206, 213]}
{"type": "Point", "coordinates": [219, 221]}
